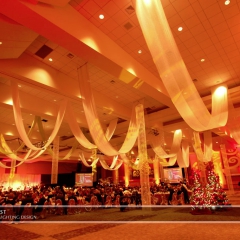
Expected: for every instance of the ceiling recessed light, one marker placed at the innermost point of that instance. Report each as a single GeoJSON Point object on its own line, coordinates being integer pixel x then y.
{"type": "Point", "coordinates": [140, 51]}
{"type": "Point", "coordinates": [19, 85]}
{"type": "Point", "coordinates": [101, 16]}
{"type": "Point", "coordinates": [180, 29]}
{"type": "Point", "coordinates": [0, 43]}
{"type": "Point", "coordinates": [50, 59]}
{"type": "Point", "coordinates": [54, 100]}
{"type": "Point", "coordinates": [227, 2]}
{"type": "Point", "coordinates": [202, 60]}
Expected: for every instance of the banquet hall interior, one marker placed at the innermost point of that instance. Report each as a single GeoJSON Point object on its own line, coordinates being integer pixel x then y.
{"type": "Point", "coordinates": [128, 93]}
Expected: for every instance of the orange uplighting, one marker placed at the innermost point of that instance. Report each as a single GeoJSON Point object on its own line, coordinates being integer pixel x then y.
{"type": "Point", "coordinates": [9, 102]}
{"type": "Point", "coordinates": [42, 75]}
{"type": "Point", "coordinates": [91, 43]}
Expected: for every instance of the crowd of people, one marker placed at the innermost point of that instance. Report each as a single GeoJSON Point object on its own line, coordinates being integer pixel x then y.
{"type": "Point", "coordinates": [106, 195]}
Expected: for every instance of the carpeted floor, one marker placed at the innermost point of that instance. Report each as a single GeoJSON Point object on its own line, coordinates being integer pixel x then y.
{"type": "Point", "coordinates": [161, 222]}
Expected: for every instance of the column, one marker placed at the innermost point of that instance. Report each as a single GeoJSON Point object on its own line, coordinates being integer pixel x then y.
{"type": "Point", "coordinates": [161, 172]}
{"type": "Point", "coordinates": [126, 175]}
{"type": "Point", "coordinates": [156, 171]}
{"type": "Point", "coordinates": [55, 156]}
{"type": "Point", "coordinates": [143, 158]}
{"type": "Point", "coordinates": [226, 169]}
{"type": "Point", "coordinates": [115, 176]}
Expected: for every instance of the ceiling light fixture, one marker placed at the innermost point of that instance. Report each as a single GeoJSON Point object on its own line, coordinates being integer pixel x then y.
{"type": "Point", "coordinates": [140, 51]}
{"type": "Point", "coordinates": [0, 43]}
{"type": "Point", "coordinates": [50, 59]}
{"type": "Point", "coordinates": [180, 29]}
{"type": "Point", "coordinates": [202, 60]}
{"type": "Point", "coordinates": [101, 16]}
{"type": "Point", "coordinates": [227, 2]}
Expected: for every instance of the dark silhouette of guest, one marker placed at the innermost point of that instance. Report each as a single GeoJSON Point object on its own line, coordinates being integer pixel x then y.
{"type": "Point", "coordinates": [171, 191]}
{"type": "Point", "coordinates": [39, 204]}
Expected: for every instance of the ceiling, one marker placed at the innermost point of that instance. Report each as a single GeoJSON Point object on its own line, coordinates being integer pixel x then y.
{"type": "Point", "coordinates": [71, 34]}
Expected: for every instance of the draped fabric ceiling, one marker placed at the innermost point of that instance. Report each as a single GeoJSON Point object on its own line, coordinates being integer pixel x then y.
{"type": "Point", "coordinates": [174, 73]}
{"type": "Point", "coordinates": [177, 81]}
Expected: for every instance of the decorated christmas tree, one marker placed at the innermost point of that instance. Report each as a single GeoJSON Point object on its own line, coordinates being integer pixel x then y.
{"type": "Point", "coordinates": [204, 199]}
{"type": "Point", "coordinates": [197, 199]}
{"type": "Point", "coordinates": [215, 195]}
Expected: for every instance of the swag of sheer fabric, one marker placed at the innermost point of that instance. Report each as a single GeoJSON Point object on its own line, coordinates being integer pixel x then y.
{"type": "Point", "coordinates": [174, 73]}
{"type": "Point", "coordinates": [94, 124]}
{"type": "Point", "coordinates": [19, 121]}
{"type": "Point", "coordinates": [206, 155]}
{"type": "Point", "coordinates": [179, 150]}
{"type": "Point", "coordinates": [159, 151]}
{"type": "Point", "coordinates": [114, 165]}
{"type": "Point", "coordinates": [78, 134]}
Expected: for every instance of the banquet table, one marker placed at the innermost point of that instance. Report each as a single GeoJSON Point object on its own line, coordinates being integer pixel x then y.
{"type": "Point", "coordinates": [162, 197]}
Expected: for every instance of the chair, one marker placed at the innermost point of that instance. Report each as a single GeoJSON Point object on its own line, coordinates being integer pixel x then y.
{"type": "Point", "coordinates": [108, 202]}
{"type": "Point", "coordinates": [43, 213]}
{"type": "Point", "coordinates": [174, 199]}
{"type": "Point", "coordinates": [27, 214]}
{"type": "Point", "coordinates": [154, 200]}
{"type": "Point", "coordinates": [80, 203]}
{"type": "Point", "coordinates": [181, 199]}
{"type": "Point", "coordinates": [117, 201]}
{"type": "Point", "coordinates": [71, 206]}
{"type": "Point", "coordinates": [95, 202]}
{"type": "Point", "coordinates": [164, 200]}
{"type": "Point", "coordinates": [59, 207]}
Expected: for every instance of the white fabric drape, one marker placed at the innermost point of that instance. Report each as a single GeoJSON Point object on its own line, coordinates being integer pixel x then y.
{"type": "Point", "coordinates": [158, 150]}
{"type": "Point", "coordinates": [183, 155]}
{"type": "Point", "coordinates": [128, 162]}
{"type": "Point", "coordinates": [105, 165]}
{"type": "Point", "coordinates": [30, 155]}
{"type": "Point", "coordinates": [111, 129]}
{"type": "Point", "coordinates": [85, 162]}
{"type": "Point", "coordinates": [76, 130]}
{"type": "Point", "coordinates": [94, 124]}
{"type": "Point", "coordinates": [179, 151]}
{"type": "Point", "coordinates": [19, 122]}
{"type": "Point", "coordinates": [206, 155]}
{"type": "Point", "coordinates": [174, 73]}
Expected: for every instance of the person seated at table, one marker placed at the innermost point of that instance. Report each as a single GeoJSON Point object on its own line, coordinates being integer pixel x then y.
{"type": "Point", "coordinates": [71, 195]}
{"type": "Point", "coordinates": [10, 199]}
